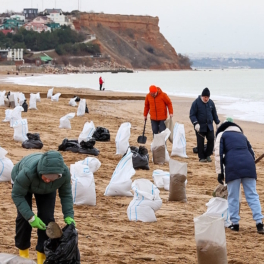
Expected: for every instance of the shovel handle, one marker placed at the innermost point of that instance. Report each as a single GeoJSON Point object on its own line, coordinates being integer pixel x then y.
{"type": "Point", "coordinates": [144, 127]}
{"type": "Point", "coordinates": [259, 158]}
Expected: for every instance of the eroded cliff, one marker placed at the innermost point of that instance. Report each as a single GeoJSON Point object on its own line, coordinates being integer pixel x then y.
{"type": "Point", "coordinates": [134, 41]}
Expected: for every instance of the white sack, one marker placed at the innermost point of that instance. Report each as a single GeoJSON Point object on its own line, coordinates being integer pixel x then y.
{"type": "Point", "coordinates": [2, 100]}
{"type": "Point", "coordinates": [16, 95]}
{"type": "Point", "coordinates": [179, 141]}
{"type": "Point", "coordinates": [6, 258]}
{"type": "Point", "coordinates": [93, 163]}
{"type": "Point", "coordinates": [73, 102]}
{"type": "Point", "coordinates": [2, 93]}
{"type": "Point", "coordinates": [8, 113]}
{"type": "Point", "coordinates": [120, 183]}
{"type": "Point", "coordinates": [33, 101]}
{"type": "Point", "coordinates": [122, 138]}
{"type": "Point", "coordinates": [65, 121]}
{"type": "Point", "coordinates": [87, 132]}
{"type": "Point", "coordinates": [55, 98]}
{"type": "Point", "coordinates": [145, 202]}
{"type": "Point", "coordinates": [158, 177]}
{"type": "Point", "coordinates": [20, 130]}
{"type": "Point", "coordinates": [81, 108]}
{"type": "Point", "coordinates": [83, 186]}
{"type": "Point", "coordinates": [21, 98]}
{"type": "Point", "coordinates": [50, 92]}
{"type": "Point", "coordinates": [16, 114]}
{"type": "Point", "coordinates": [6, 166]}
{"type": "Point", "coordinates": [38, 97]}
{"type": "Point", "coordinates": [218, 207]}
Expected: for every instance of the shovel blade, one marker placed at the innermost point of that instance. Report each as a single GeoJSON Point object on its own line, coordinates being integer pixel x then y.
{"type": "Point", "coordinates": [142, 139]}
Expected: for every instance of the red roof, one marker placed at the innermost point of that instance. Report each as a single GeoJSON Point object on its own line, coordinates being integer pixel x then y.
{"type": "Point", "coordinates": [5, 31]}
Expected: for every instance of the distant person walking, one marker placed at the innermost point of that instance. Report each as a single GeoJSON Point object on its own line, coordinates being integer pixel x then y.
{"type": "Point", "coordinates": [156, 104]}
{"type": "Point", "coordinates": [202, 115]}
{"type": "Point", "coordinates": [235, 162]}
{"type": "Point", "coordinates": [101, 83]}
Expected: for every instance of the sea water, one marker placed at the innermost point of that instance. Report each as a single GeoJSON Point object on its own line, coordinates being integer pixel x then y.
{"type": "Point", "coordinates": [237, 93]}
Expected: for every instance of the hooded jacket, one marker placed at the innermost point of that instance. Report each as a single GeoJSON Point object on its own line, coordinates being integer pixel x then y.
{"type": "Point", "coordinates": [26, 176]}
{"type": "Point", "coordinates": [204, 114]}
{"type": "Point", "coordinates": [234, 156]}
{"type": "Point", "coordinates": [157, 106]}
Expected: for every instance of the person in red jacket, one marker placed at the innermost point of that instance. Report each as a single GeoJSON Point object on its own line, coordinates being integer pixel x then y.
{"type": "Point", "coordinates": [156, 104]}
{"type": "Point", "coordinates": [100, 83]}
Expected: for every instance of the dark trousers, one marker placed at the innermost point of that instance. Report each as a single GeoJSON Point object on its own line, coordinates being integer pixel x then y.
{"type": "Point", "coordinates": [157, 126]}
{"type": "Point", "coordinates": [209, 135]}
{"type": "Point", "coordinates": [101, 86]}
{"type": "Point", "coordinates": [45, 205]}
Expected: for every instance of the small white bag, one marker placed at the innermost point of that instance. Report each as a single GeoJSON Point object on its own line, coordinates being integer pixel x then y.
{"type": "Point", "coordinates": [87, 132]}
{"type": "Point", "coordinates": [8, 113]}
{"type": "Point", "coordinates": [21, 98]}
{"type": "Point", "coordinates": [50, 92]}
{"type": "Point", "coordinates": [81, 108]}
{"type": "Point", "coordinates": [2, 100]}
{"type": "Point", "coordinates": [16, 114]}
{"type": "Point", "coordinates": [38, 97]}
{"type": "Point", "coordinates": [73, 102]}
{"type": "Point", "coordinates": [65, 121]}
{"type": "Point", "coordinates": [6, 166]}
{"type": "Point", "coordinates": [55, 98]}
{"type": "Point", "coordinates": [179, 141]}
{"type": "Point", "coordinates": [122, 138]}
{"type": "Point", "coordinates": [33, 101]}
{"type": "Point", "coordinates": [158, 176]}
{"type": "Point", "coordinates": [93, 163]}
{"type": "Point", "coordinates": [120, 183]}
{"type": "Point", "coordinates": [20, 130]}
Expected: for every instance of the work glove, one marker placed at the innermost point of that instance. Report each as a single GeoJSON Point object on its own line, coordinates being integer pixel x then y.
{"type": "Point", "coordinates": [36, 222]}
{"type": "Point", "coordinates": [68, 220]}
{"type": "Point", "coordinates": [197, 127]}
{"type": "Point", "coordinates": [218, 125]}
{"type": "Point", "coordinates": [221, 178]}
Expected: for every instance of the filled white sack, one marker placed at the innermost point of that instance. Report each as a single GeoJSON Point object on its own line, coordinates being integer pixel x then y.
{"type": "Point", "coordinates": [6, 166]}
{"type": "Point", "coordinates": [2, 100]}
{"type": "Point", "coordinates": [81, 108]}
{"type": "Point", "coordinates": [38, 97]}
{"type": "Point", "coordinates": [93, 163]}
{"type": "Point", "coordinates": [158, 177]}
{"type": "Point", "coordinates": [2, 93]}
{"type": "Point", "coordinates": [122, 138]}
{"type": "Point", "coordinates": [6, 258]}
{"type": "Point", "coordinates": [55, 98]}
{"type": "Point", "coordinates": [120, 183]}
{"type": "Point", "coordinates": [145, 202]}
{"type": "Point", "coordinates": [73, 102]}
{"type": "Point", "coordinates": [179, 141]}
{"type": "Point", "coordinates": [65, 121]}
{"type": "Point", "coordinates": [20, 130]}
{"type": "Point", "coordinates": [16, 96]}
{"type": "Point", "coordinates": [87, 132]}
{"type": "Point", "coordinates": [33, 101]}
{"type": "Point", "coordinates": [83, 186]}
{"type": "Point", "coordinates": [50, 92]}
{"type": "Point", "coordinates": [21, 98]}
{"type": "Point", "coordinates": [8, 113]}
{"type": "Point", "coordinates": [16, 114]}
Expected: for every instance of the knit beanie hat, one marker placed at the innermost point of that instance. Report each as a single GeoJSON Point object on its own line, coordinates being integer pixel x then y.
{"type": "Point", "coordinates": [206, 92]}
{"type": "Point", "coordinates": [230, 119]}
{"type": "Point", "coordinates": [153, 89]}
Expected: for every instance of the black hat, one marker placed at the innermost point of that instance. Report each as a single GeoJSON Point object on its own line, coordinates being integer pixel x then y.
{"type": "Point", "coordinates": [206, 92]}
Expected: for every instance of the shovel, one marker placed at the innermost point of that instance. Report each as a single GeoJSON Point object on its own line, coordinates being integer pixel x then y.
{"type": "Point", "coordinates": [142, 139]}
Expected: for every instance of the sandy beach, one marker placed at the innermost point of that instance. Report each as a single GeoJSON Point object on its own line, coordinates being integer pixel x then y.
{"type": "Point", "coordinates": [105, 233]}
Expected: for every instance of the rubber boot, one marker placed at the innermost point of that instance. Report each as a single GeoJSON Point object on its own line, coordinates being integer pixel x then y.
{"type": "Point", "coordinates": [24, 253]}
{"type": "Point", "coordinates": [40, 258]}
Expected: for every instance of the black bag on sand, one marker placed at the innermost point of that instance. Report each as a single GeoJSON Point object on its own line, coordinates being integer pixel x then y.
{"type": "Point", "coordinates": [70, 145]}
{"type": "Point", "coordinates": [63, 250]}
{"type": "Point", "coordinates": [33, 141]}
{"type": "Point", "coordinates": [140, 158]}
{"type": "Point", "coordinates": [101, 134]}
{"type": "Point", "coordinates": [77, 99]}
{"type": "Point", "coordinates": [25, 105]}
{"type": "Point", "coordinates": [86, 109]}
{"type": "Point", "coordinates": [88, 147]}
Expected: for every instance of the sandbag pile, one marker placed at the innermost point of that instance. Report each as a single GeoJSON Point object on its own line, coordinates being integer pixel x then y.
{"type": "Point", "coordinates": [161, 179]}
{"type": "Point", "coordinates": [179, 141]}
{"type": "Point", "coordinates": [6, 166]}
{"type": "Point", "coordinates": [145, 203]}
{"type": "Point", "coordinates": [140, 158]}
{"type": "Point", "coordinates": [122, 138]}
{"type": "Point", "coordinates": [101, 134]}
{"type": "Point", "coordinates": [83, 186]}
{"type": "Point", "coordinates": [178, 177]}
{"type": "Point", "coordinates": [120, 183]}
{"type": "Point", "coordinates": [33, 141]}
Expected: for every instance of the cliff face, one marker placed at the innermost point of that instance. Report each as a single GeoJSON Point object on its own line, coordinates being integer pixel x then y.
{"type": "Point", "coordinates": [133, 41]}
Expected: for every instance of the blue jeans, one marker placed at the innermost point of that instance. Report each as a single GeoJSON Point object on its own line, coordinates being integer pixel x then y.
{"type": "Point", "coordinates": [157, 126]}
{"type": "Point", "coordinates": [249, 186]}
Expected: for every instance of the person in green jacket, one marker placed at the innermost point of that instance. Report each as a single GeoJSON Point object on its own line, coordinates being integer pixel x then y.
{"type": "Point", "coordinates": [41, 174]}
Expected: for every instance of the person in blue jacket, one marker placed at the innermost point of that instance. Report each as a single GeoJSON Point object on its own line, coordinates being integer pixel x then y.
{"type": "Point", "coordinates": [235, 163]}
{"type": "Point", "coordinates": [202, 115]}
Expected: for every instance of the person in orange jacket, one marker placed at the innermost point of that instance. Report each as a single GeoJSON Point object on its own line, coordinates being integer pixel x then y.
{"type": "Point", "coordinates": [156, 104]}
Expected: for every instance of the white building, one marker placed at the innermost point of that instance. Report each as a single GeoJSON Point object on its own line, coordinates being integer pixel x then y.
{"type": "Point", "coordinates": [57, 17]}
{"type": "Point", "coordinates": [18, 17]}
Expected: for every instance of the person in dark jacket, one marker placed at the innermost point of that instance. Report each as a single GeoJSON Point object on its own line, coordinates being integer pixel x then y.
{"type": "Point", "coordinates": [202, 115]}
{"type": "Point", "coordinates": [235, 162]}
{"type": "Point", "coordinates": [42, 175]}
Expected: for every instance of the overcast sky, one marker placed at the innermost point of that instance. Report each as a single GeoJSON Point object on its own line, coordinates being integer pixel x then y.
{"type": "Point", "coordinates": [191, 26]}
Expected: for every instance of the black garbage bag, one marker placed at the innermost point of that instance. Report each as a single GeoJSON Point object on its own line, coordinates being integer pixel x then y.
{"type": "Point", "coordinates": [25, 105]}
{"type": "Point", "coordinates": [77, 99]}
{"type": "Point", "coordinates": [140, 158]}
{"type": "Point", "coordinates": [63, 250]}
{"type": "Point", "coordinates": [88, 147]}
{"type": "Point", "coordinates": [86, 109]}
{"type": "Point", "coordinates": [69, 145]}
{"type": "Point", "coordinates": [33, 141]}
{"type": "Point", "coordinates": [101, 134]}
{"type": "Point", "coordinates": [195, 150]}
